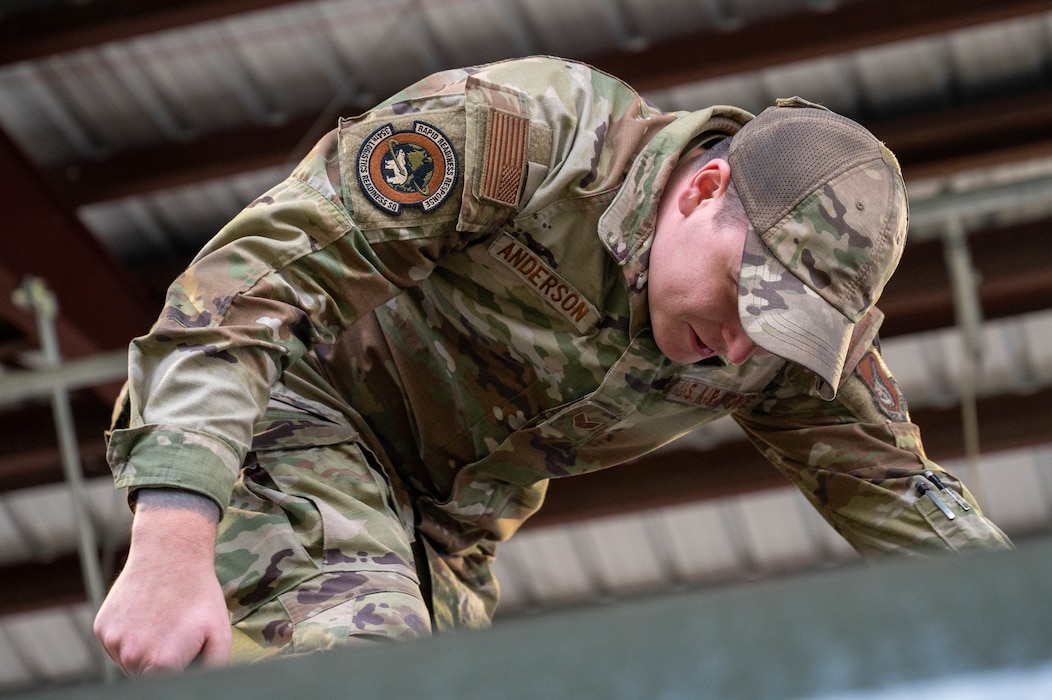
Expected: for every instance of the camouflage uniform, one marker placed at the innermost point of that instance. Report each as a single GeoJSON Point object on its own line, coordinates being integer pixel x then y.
{"type": "Point", "coordinates": [386, 357]}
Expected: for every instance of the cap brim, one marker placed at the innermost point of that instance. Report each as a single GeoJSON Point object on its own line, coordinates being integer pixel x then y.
{"type": "Point", "coordinates": [787, 318]}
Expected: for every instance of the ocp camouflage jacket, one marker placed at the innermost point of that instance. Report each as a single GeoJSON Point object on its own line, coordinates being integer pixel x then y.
{"type": "Point", "coordinates": [458, 280]}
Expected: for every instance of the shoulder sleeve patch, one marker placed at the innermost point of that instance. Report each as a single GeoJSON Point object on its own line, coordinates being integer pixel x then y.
{"type": "Point", "coordinates": [403, 170]}
{"type": "Point", "coordinates": [884, 390]}
{"type": "Point", "coordinates": [416, 167]}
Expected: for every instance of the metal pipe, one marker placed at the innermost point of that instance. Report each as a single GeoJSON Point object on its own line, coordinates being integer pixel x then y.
{"type": "Point", "coordinates": [965, 284]}
{"type": "Point", "coordinates": [35, 296]}
{"type": "Point", "coordinates": [732, 516]}
{"type": "Point", "coordinates": [1025, 198]}
{"type": "Point", "coordinates": [75, 374]}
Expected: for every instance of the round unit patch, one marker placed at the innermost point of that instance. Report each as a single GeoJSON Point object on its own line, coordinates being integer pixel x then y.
{"type": "Point", "coordinates": [415, 168]}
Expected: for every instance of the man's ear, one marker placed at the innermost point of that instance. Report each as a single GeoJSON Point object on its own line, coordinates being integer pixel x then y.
{"type": "Point", "coordinates": [708, 183]}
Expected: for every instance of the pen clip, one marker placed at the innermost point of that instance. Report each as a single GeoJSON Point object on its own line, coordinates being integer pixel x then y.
{"type": "Point", "coordinates": [933, 478]}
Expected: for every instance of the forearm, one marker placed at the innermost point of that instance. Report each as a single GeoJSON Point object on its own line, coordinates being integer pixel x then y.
{"type": "Point", "coordinates": [862, 465]}
{"type": "Point", "coordinates": [166, 608]}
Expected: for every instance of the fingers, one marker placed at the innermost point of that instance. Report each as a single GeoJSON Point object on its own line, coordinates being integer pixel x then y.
{"type": "Point", "coordinates": [135, 656]}
{"type": "Point", "coordinates": [216, 649]}
{"type": "Point", "coordinates": [144, 648]}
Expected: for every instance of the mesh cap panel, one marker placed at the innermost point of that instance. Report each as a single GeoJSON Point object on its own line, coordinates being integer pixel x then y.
{"type": "Point", "coordinates": [780, 158]}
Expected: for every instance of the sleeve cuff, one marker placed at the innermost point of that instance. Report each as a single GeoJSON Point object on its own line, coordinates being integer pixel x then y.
{"type": "Point", "coordinates": [173, 457]}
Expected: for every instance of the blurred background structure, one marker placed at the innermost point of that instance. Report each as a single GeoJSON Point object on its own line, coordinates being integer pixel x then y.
{"type": "Point", "coordinates": [131, 131]}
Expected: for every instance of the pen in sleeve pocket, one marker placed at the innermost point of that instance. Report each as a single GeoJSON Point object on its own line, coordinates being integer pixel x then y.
{"type": "Point", "coordinates": [945, 489]}
{"type": "Point", "coordinates": [925, 490]}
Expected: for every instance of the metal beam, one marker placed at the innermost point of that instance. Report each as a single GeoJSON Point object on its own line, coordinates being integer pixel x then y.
{"type": "Point", "coordinates": [850, 26]}
{"type": "Point", "coordinates": [971, 135]}
{"type": "Point", "coordinates": [68, 26]}
{"type": "Point", "coordinates": [103, 307]}
{"type": "Point", "coordinates": [1015, 270]}
{"type": "Point", "coordinates": [243, 149]}
{"type": "Point", "coordinates": [75, 374]}
{"type": "Point", "coordinates": [29, 454]}
{"type": "Point", "coordinates": [43, 584]}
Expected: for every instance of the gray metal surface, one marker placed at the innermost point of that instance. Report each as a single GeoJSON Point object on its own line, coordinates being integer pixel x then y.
{"type": "Point", "coordinates": [897, 625]}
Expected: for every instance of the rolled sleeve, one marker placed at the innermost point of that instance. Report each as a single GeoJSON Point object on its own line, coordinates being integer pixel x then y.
{"type": "Point", "coordinates": [173, 457]}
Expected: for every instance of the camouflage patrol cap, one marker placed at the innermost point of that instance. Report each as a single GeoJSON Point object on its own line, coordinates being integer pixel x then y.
{"type": "Point", "coordinates": [828, 216]}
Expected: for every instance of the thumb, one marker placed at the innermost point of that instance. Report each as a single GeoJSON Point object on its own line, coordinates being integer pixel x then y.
{"type": "Point", "coordinates": [215, 651]}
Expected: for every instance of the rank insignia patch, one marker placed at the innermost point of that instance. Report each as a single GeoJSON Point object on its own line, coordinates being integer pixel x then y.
{"type": "Point", "coordinates": [407, 168]}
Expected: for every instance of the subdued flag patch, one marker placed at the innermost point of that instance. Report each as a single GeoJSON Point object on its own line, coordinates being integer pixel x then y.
{"type": "Point", "coordinates": [504, 160]}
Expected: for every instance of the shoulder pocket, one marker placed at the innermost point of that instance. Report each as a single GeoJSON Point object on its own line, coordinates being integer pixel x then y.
{"type": "Point", "coordinates": [507, 154]}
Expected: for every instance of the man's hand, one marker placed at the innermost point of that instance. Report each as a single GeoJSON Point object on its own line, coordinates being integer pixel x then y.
{"type": "Point", "coordinates": [166, 607]}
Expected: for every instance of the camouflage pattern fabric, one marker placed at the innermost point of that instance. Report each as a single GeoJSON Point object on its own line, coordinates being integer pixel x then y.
{"type": "Point", "coordinates": [815, 261]}
{"type": "Point", "coordinates": [280, 627]}
{"type": "Point", "coordinates": [316, 530]}
{"type": "Point", "coordinates": [379, 364]}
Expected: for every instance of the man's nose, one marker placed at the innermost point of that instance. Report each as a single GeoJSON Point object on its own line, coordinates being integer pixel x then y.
{"type": "Point", "coordinates": [739, 346]}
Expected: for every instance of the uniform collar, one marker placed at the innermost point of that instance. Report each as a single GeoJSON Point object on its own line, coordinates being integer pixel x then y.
{"type": "Point", "coordinates": [627, 226]}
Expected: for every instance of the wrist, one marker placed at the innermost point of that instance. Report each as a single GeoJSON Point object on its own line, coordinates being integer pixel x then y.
{"type": "Point", "coordinates": [173, 527]}
{"type": "Point", "coordinates": [176, 499]}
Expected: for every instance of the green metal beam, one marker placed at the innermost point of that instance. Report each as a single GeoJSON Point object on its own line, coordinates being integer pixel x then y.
{"type": "Point", "coordinates": [899, 623]}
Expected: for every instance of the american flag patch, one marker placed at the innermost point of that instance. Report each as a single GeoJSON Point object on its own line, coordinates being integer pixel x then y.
{"type": "Point", "coordinates": [505, 157]}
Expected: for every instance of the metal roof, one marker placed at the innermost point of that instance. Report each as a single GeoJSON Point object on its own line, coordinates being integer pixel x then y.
{"type": "Point", "coordinates": [129, 135]}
